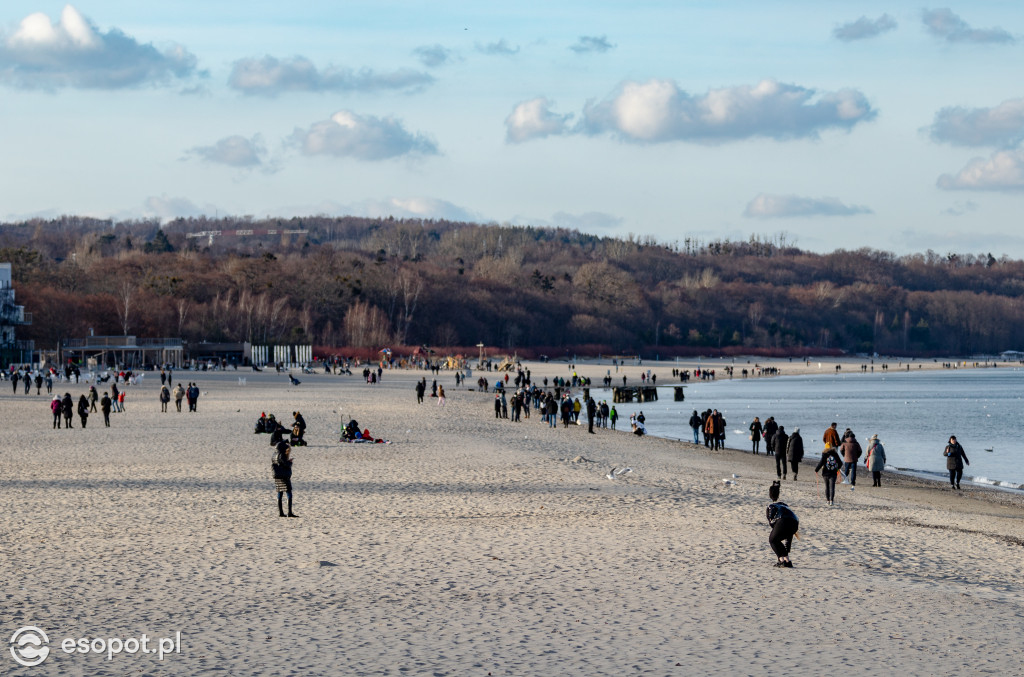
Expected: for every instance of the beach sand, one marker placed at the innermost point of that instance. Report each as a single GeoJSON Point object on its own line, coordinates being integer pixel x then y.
{"type": "Point", "coordinates": [475, 546]}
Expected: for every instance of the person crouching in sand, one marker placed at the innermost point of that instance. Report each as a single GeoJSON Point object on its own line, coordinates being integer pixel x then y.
{"type": "Point", "coordinates": [785, 525]}
{"type": "Point", "coordinates": [282, 469]}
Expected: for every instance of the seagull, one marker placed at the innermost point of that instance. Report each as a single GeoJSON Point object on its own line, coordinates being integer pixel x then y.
{"type": "Point", "coordinates": [618, 472]}
{"type": "Point", "coordinates": [990, 449]}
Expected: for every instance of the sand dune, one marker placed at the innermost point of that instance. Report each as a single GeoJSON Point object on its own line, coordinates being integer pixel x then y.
{"type": "Point", "coordinates": [472, 546]}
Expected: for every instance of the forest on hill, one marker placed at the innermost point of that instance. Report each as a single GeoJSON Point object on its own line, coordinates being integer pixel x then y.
{"type": "Point", "coordinates": [354, 282]}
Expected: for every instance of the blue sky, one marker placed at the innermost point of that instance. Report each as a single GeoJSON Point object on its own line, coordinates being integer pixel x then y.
{"type": "Point", "coordinates": [889, 126]}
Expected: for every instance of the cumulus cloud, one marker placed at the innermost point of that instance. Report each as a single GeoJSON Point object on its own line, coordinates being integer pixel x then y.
{"type": "Point", "coordinates": [271, 76]}
{"type": "Point", "coordinates": [364, 137]}
{"type": "Point", "coordinates": [433, 56]}
{"type": "Point", "coordinates": [943, 23]}
{"type": "Point", "coordinates": [766, 206]}
{"type": "Point", "coordinates": [589, 43]}
{"type": "Point", "coordinates": [534, 120]}
{"type": "Point", "coordinates": [499, 48]}
{"type": "Point", "coordinates": [1002, 125]}
{"type": "Point", "coordinates": [657, 111]}
{"type": "Point", "coordinates": [74, 53]}
{"type": "Point", "coordinates": [1002, 171]}
{"type": "Point", "coordinates": [864, 28]}
{"type": "Point", "coordinates": [234, 151]}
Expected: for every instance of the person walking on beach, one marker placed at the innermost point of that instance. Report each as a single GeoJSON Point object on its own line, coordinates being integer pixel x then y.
{"type": "Point", "coordinates": [92, 399]}
{"type": "Point", "coordinates": [784, 523]}
{"type": "Point", "coordinates": [875, 461]}
{"type": "Point", "coordinates": [755, 433]}
{"type": "Point", "coordinates": [829, 466]}
{"type": "Point", "coordinates": [105, 405]}
{"type": "Point", "coordinates": [83, 410]}
{"type": "Point", "coordinates": [165, 397]}
{"type": "Point", "coordinates": [779, 443]}
{"type": "Point", "coordinates": [281, 466]}
{"type": "Point", "coordinates": [770, 428]}
{"type": "Point", "coordinates": [179, 394]}
{"type": "Point", "coordinates": [695, 423]}
{"type": "Point", "coordinates": [613, 416]}
{"type": "Point", "coordinates": [421, 389]}
{"type": "Point", "coordinates": [591, 412]}
{"type": "Point", "coordinates": [831, 436]}
{"type": "Point", "coordinates": [851, 454]}
{"type": "Point", "coordinates": [955, 459]}
{"type": "Point", "coordinates": [56, 408]}
{"type": "Point", "coordinates": [440, 397]}
{"type": "Point", "coordinates": [795, 451]}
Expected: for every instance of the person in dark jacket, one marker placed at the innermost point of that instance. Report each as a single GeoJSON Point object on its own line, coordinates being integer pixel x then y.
{"type": "Point", "coordinates": [165, 397]}
{"type": "Point", "coordinates": [955, 459]}
{"type": "Point", "coordinates": [591, 412]}
{"type": "Point", "coordinates": [83, 410]}
{"type": "Point", "coordinates": [281, 466]}
{"type": "Point", "coordinates": [755, 433]}
{"type": "Point", "coordinates": [850, 448]}
{"type": "Point", "coordinates": [829, 466]}
{"type": "Point", "coordinates": [300, 423]}
{"type": "Point", "coordinates": [421, 388]}
{"type": "Point", "coordinates": [784, 524]}
{"type": "Point", "coordinates": [779, 442]}
{"type": "Point", "coordinates": [68, 409]}
{"type": "Point", "coordinates": [695, 424]}
{"type": "Point", "coordinates": [795, 451]}
{"type": "Point", "coordinates": [105, 404]}
{"type": "Point", "coordinates": [770, 428]}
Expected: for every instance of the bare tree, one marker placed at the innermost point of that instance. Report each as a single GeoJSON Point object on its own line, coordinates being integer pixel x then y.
{"type": "Point", "coordinates": [125, 297]}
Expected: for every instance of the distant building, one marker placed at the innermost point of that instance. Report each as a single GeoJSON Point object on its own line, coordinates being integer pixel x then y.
{"type": "Point", "coordinates": [12, 351]}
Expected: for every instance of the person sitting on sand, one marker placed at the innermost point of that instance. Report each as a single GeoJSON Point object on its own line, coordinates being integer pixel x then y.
{"type": "Point", "coordinates": [784, 524]}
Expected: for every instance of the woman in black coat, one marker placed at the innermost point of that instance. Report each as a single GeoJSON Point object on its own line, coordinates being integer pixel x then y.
{"type": "Point", "coordinates": [281, 466]}
{"type": "Point", "coordinates": [68, 409]}
{"type": "Point", "coordinates": [83, 409]}
{"type": "Point", "coordinates": [755, 433]}
{"type": "Point", "coordinates": [955, 459]}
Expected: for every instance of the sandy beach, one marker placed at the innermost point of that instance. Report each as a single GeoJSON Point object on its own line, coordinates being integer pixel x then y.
{"type": "Point", "coordinates": [476, 546]}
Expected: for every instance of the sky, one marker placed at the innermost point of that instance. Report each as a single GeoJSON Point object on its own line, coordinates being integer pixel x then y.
{"type": "Point", "coordinates": [834, 125]}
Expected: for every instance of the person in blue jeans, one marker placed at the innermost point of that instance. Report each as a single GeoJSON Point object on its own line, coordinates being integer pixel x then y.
{"type": "Point", "coordinates": [695, 423]}
{"type": "Point", "coordinates": [851, 451]}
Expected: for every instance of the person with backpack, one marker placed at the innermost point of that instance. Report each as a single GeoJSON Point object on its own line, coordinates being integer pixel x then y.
{"type": "Point", "coordinates": [829, 466]}
{"type": "Point", "coordinates": [784, 523]}
{"type": "Point", "coordinates": [281, 467]}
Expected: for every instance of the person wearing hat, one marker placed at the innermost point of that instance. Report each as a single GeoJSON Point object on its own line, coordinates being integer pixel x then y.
{"type": "Point", "coordinates": [875, 461]}
{"type": "Point", "coordinates": [955, 459]}
{"type": "Point", "coordinates": [795, 451]}
{"type": "Point", "coordinates": [281, 466]}
{"type": "Point", "coordinates": [56, 408]}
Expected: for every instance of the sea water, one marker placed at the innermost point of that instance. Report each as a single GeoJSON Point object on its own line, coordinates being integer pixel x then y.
{"type": "Point", "coordinates": [913, 413]}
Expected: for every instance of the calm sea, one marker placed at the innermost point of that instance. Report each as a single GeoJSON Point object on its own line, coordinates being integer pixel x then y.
{"type": "Point", "coordinates": [913, 415]}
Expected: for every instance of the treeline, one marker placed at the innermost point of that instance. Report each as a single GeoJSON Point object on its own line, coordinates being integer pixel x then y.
{"type": "Point", "coordinates": [366, 283]}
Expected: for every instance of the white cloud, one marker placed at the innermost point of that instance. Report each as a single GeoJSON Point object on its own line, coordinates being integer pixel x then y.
{"type": "Point", "coordinates": [589, 43]}
{"type": "Point", "coordinates": [41, 54]}
{"type": "Point", "coordinates": [433, 56]}
{"type": "Point", "coordinates": [943, 23]}
{"type": "Point", "coordinates": [533, 119]}
{"type": "Point", "coordinates": [499, 48]}
{"type": "Point", "coordinates": [1001, 125]}
{"type": "Point", "coordinates": [864, 28]}
{"type": "Point", "coordinates": [766, 206]}
{"type": "Point", "coordinates": [1002, 171]}
{"type": "Point", "coordinates": [364, 137]}
{"type": "Point", "coordinates": [234, 151]}
{"type": "Point", "coordinates": [270, 76]}
{"type": "Point", "coordinates": [657, 111]}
